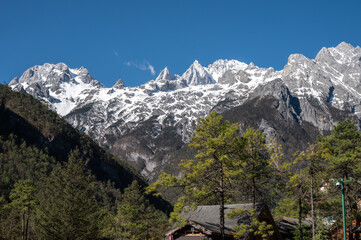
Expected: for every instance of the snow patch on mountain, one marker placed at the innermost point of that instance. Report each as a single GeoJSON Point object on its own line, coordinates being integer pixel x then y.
{"type": "Point", "coordinates": [332, 78]}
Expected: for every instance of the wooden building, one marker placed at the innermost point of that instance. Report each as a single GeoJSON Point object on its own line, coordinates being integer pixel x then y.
{"type": "Point", "coordinates": [203, 223]}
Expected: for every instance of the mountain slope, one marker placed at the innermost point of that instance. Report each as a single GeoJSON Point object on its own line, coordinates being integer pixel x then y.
{"type": "Point", "coordinates": [150, 124]}
{"type": "Point", "coordinates": [25, 117]}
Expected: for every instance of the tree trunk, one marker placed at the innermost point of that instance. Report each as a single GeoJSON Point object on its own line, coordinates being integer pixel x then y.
{"type": "Point", "coordinates": [221, 218]}
{"type": "Point", "coordinates": [312, 209]}
{"type": "Point", "coordinates": [23, 227]}
{"type": "Point", "coordinates": [300, 218]}
{"type": "Point", "coordinates": [221, 205]}
{"type": "Point", "coordinates": [253, 193]}
{"type": "Point", "coordinates": [27, 226]}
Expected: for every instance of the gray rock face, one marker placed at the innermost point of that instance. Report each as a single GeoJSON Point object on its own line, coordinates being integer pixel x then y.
{"type": "Point", "coordinates": [333, 77]}
{"type": "Point", "coordinates": [164, 75]}
{"type": "Point", "coordinates": [119, 84]}
{"type": "Point", "coordinates": [140, 124]}
{"type": "Point", "coordinates": [197, 75]}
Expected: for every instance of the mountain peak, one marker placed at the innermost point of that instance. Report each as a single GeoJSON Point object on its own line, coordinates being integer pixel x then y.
{"type": "Point", "coordinates": [306, 90]}
{"type": "Point", "coordinates": [221, 66]}
{"type": "Point", "coordinates": [196, 62]}
{"type": "Point", "coordinates": [251, 66]}
{"type": "Point", "coordinates": [119, 84]}
{"type": "Point", "coordinates": [196, 74]}
{"type": "Point", "coordinates": [343, 53]}
{"type": "Point", "coordinates": [344, 46]}
{"type": "Point", "coordinates": [62, 66]}
{"type": "Point", "coordinates": [164, 74]}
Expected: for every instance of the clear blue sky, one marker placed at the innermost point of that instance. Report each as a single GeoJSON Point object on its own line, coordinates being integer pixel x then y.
{"type": "Point", "coordinates": [126, 39]}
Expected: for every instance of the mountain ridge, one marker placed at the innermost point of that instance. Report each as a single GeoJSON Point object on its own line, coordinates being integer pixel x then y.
{"type": "Point", "coordinates": [306, 92]}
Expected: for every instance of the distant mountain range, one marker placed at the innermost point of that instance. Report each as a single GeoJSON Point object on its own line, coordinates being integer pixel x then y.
{"type": "Point", "coordinates": [150, 125]}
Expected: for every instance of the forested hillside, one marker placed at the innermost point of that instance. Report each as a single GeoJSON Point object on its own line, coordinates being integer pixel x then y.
{"type": "Point", "coordinates": [53, 176]}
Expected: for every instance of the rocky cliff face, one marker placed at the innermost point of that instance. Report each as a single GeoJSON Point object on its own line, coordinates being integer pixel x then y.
{"type": "Point", "coordinates": [149, 125]}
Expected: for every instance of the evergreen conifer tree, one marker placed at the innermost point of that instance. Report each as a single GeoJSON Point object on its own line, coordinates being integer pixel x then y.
{"type": "Point", "coordinates": [68, 208]}
{"type": "Point", "coordinates": [136, 218]}
{"type": "Point", "coordinates": [214, 171]}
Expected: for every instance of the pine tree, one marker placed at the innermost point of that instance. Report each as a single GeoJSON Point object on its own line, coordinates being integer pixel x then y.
{"type": "Point", "coordinates": [342, 152]}
{"type": "Point", "coordinates": [259, 168]}
{"type": "Point", "coordinates": [214, 171]}
{"type": "Point", "coordinates": [313, 173]}
{"type": "Point", "coordinates": [136, 218]}
{"type": "Point", "coordinates": [68, 208]}
{"type": "Point", "coordinates": [23, 200]}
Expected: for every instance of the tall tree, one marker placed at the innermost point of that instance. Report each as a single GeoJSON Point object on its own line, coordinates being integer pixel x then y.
{"type": "Point", "coordinates": [259, 164]}
{"type": "Point", "coordinates": [314, 174]}
{"type": "Point", "coordinates": [215, 169]}
{"type": "Point", "coordinates": [306, 176]}
{"type": "Point", "coordinates": [342, 152]}
{"type": "Point", "coordinates": [136, 218]}
{"type": "Point", "coordinates": [68, 208]}
{"type": "Point", "coordinates": [23, 200]}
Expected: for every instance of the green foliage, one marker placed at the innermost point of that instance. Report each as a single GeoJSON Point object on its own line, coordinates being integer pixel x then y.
{"type": "Point", "coordinates": [301, 187]}
{"type": "Point", "coordinates": [19, 162]}
{"type": "Point", "coordinates": [255, 227]}
{"type": "Point", "coordinates": [23, 200]}
{"type": "Point", "coordinates": [136, 218]}
{"type": "Point", "coordinates": [225, 166]}
{"type": "Point", "coordinates": [342, 150]}
{"type": "Point", "coordinates": [306, 233]}
{"type": "Point", "coordinates": [30, 120]}
{"type": "Point", "coordinates": [259, 166]}
{"type": "Point", "coordinates": [10, 221]}
{"type": "Point", "coordinates": [68, 208]}
{"type": "Point", "coordinates": [35, 145]}
{"type": "Point", "coordinates": [287, 206]}
{"type": "Point", "coordinates": [213, 173]}
{"type": "Point", "coordinates": [321, 230]}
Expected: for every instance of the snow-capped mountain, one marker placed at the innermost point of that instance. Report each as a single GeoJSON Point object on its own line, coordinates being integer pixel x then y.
{"type": "Point", "coordinates": [145, 125]}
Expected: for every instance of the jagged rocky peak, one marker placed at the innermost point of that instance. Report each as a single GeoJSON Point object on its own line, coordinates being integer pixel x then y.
{"type": "Point", "coordinates": [119, 84]}
{"type": "Point", "coordinates": [62, 67]}
{"type": "Point", "coordinates": [164, 75]}
{"type": "Point", "coordinates": [220, 67]}
{"type": "Point", "coordinates": [345, 47]}
{"type": "Point", "coordinates": [297, 66]}
{"type": "Point", "coordinates": [47, 72]}
{"type": "Point", "coordinates": [324, 53]}
{"type": "Point", "coordinates": [196, 74]}
{"type": "Point", "coordinates": [83, 74]}
{"type": "Point", "coordinates": [229, 64]}
{"type": "Point", "coordinates": [54, 75]}
{"type": "Point", "coordinates": [297, 58]}
{"type": "Point", "coordinates": [302, 92]}
{"type": "Point", "coordinates": [251, 66]}
{"type": "Point", "coordinates": [343, 53]}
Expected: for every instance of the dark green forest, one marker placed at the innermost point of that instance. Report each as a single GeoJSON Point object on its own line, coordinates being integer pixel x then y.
{"type": "Point", "coordinates": [56, 183]}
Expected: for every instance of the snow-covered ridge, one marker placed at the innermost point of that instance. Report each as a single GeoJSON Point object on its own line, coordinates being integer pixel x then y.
{"type": "Point", "coordinates": [332, 78]}
{"type": "Point", "coordinates": [67, 89]}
